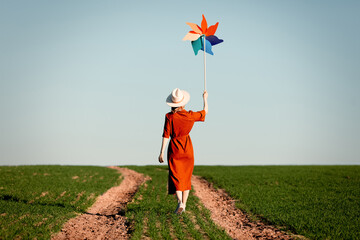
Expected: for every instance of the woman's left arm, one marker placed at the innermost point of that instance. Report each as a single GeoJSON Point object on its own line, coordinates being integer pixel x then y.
{"type": "Point", "coordinates": [163, 146]}
{"type": "Point", "coordinates": [206, 106]}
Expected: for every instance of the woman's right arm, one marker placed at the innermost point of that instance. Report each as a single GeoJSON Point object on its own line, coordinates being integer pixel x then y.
{"type": "Point", "coordinates": [163, 146]}
{"type": "Point", "coordinates": [206, 107]}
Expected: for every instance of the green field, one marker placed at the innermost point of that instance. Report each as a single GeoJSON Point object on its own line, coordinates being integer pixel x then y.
{"type": "Point", "coordinates": [36, 200]}
{"type": "Point", "coordinates": [319, 202]}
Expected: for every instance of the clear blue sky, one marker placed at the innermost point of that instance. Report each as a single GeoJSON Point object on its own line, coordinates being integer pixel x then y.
{"type": "Point", "coordinates": [85, 82]}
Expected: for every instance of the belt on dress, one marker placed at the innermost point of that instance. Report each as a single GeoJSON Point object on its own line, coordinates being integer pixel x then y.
{"type": "Point", "coordinates": [180, 136]}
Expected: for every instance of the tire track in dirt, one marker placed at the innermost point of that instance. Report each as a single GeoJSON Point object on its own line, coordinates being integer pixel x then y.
{"type": "Point", "coordinates": [105, 218]}
{"type": "Point", "coordinates": [236, 223]}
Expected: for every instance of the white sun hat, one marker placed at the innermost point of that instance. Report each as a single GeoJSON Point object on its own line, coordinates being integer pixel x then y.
{"type": "Point", "coordinates": [178, 98]}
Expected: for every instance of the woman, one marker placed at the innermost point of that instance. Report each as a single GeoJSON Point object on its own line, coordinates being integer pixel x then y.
{"type": "Point", "coordinates": [178, 124]}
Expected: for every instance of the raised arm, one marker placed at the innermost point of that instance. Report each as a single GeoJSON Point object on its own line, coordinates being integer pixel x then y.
{"type": "Point", "coordinates": [163, 146]}
{"type": "Point", "coordinates": [205, 96]}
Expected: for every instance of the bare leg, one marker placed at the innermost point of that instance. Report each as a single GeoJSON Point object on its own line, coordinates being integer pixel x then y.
{"type": "Point", "coordinates": [179, 195]}
{"type": "Point", "coordinates": [185, 196]}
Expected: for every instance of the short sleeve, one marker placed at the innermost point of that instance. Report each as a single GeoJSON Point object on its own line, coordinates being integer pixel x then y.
{"type": "Point", "coordinates": [198, 116]}
{"type": "Point", "coordinates": [167, 128]}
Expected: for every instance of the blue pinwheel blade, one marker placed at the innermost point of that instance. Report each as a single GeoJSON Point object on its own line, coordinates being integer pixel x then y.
{"type": "Point", "coordinates": [208, 47]}
{"type": "Point", "coordinates": [214, 40]}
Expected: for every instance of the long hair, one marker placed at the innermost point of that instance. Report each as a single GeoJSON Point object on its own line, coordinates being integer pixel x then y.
{"type": "Point", "coordinates": [177, 109]}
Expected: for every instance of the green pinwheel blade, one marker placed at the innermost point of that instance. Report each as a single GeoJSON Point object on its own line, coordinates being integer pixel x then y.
{"type": "Point", "coordinates": [197, 45]}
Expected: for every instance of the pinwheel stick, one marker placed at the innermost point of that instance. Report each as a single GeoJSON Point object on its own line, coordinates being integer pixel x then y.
{"type": "Point", "coordinates": [204, 65]}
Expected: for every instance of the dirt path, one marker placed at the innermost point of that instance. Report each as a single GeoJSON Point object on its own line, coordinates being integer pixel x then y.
{"type": "Point", "coordinates": [105, 219]}
{"type": "Point", "coordinates": [225, 214]}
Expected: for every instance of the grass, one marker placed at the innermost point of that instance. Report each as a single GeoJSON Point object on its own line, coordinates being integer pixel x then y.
{"type": "Point", "coordinates": [151, 213]}
{"type": "Point", "coordinates": [35, 201]}
{"type": "Point", "coordinates": [319, 202]}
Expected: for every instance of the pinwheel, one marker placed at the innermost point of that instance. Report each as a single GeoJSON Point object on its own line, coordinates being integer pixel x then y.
{"type": "Point", "coordinates": [203, 38]}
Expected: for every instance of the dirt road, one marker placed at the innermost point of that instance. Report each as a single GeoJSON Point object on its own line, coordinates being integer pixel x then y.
{"type": "Point", "coordinates": [105, 219]}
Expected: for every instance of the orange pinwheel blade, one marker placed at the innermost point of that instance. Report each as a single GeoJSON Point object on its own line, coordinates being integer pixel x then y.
{"type": "Point", "coordinates": [195, 27]}
{"type": "Point", "coordinates": [212, 29]}
{"type": "Point", "coordinates": [203, 24]}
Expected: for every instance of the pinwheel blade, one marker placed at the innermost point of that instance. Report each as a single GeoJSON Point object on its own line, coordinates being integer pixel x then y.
{"type": "Point", "coordinates": [208, 48]}
{"type": "Point", "coordinates": [197, 45]}
{"type": "Point", "coordinates": [214, 40]}
{"type": "Point", "coordinates": [195, 27]}
{"type": "Point", "coordinates": [191, 37]}
{"type": "Point", "coordinates": [212, 29]}
{"type": "Point", "coordinates": [203, 24]}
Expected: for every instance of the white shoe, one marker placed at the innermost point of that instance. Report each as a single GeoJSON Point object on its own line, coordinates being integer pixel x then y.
{"type": "Point", "coordinates": [181, 209]}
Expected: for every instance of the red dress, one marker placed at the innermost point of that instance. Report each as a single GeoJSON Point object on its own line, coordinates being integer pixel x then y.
{"type": "Point", "coordinates": [180, 152]}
